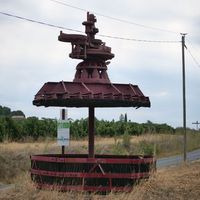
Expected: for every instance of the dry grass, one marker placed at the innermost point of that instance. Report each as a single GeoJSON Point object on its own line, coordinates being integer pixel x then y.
{"type": "Point", "coordinates": [182, 182]}
{"type": "Point", "coordinates": [14, 157]}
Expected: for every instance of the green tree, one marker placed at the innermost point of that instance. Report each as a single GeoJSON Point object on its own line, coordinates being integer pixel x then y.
{"type": "Point", "coordinates": [4, 111]}
{"type": "Point", "coordinates": [121, 118]}
{"type": "Point", "coordinates": [17, 113]}
{"type": "Point", "coordinates": [125, 118]}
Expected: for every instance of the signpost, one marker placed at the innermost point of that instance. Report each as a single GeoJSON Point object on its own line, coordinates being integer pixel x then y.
{"type": "Point", "coordinates": [63, 130]}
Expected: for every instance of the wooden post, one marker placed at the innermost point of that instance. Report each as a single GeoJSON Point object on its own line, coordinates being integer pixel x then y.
{"type": "Point", "coordinates": [91, 133]}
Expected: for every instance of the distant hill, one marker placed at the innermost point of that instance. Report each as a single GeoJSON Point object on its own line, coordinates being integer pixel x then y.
{"type": "Point", "coordinates": [6, 111]}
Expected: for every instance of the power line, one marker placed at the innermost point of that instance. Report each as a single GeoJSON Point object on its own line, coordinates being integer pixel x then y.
{"type": "Point", "coordinates": [115, 18]}
{"type": "Point", "coordinates": [68, 5]}
{"type": "Point", "coordinates": [193, 58]}
{"type": "Point", "coordinates": [194, 48]}
{"type": "Point", "coordinates": [140, 40]}
{"type": "Point", "coordinates": [70, 29]}
{"type": "Point", "coordinates": [39, 22]}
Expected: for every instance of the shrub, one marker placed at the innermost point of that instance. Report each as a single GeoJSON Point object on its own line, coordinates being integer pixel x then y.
{"type": "Point", "coordinates": [146, 148]}
{"type": "Point", "coordinates": [126, 141]}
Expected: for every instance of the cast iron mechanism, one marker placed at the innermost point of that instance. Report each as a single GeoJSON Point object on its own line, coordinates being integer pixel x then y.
{"type": "Point", "coordinates": [93, 51]}
{"type": "Point", "coordinates": [91, 86]}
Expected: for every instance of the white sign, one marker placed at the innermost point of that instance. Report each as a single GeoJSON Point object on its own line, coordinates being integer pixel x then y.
{"type": "Point", "coordinates": [63, 132]}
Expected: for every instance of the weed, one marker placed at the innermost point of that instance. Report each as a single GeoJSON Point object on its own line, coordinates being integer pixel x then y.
{"type": "Point", "coordinates": [118, 149]}
{"type": "Point", "coordinates": [126, 141]}
{"type": "Point", "coordinates": [146, 148]}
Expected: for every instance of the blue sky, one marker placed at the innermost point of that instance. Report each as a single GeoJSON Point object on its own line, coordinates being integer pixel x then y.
{"type": "Point", "coordinates": [31, 55]}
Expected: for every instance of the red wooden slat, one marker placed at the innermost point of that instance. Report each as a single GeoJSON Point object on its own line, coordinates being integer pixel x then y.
{"type": "Point", "coordinates": [90, 175]}
{"type": "Point", "coordinates": [91, 160]}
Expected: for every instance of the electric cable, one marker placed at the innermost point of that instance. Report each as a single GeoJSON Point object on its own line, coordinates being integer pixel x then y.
{"type": "Point", "coordinates": [39, 22]}
{"type": "Point", "coordinates": [193, 57]}
{"type": "Point", "coordinates": [194, 48]}
{"type": "Point", "coordinates": [140, 40]}
{"type": "Point", "coordinates": [115, 18]}
{"type": "Point", "coordinates": [70, 29]}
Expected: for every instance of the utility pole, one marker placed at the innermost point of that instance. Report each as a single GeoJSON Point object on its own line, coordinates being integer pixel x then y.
{"type": "Point", "coordinates": [184, 98]}
{"type": "Point", "coordinates": [197, 124]}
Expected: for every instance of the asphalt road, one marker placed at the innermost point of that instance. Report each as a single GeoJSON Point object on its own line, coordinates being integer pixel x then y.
{"type": "Point", "coordinates": [175, 160]}
{"type": "Point", "coordinates": [4, 187]}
